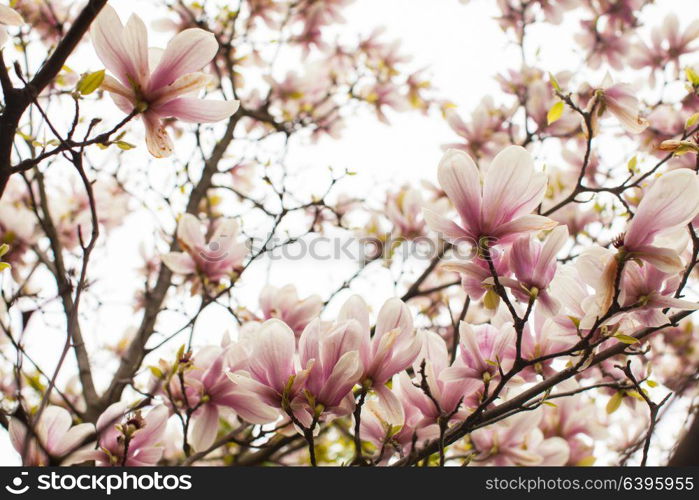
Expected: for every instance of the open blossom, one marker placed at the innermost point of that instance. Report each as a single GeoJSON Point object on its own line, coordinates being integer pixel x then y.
{"type": "Point", "coordinates": [653, 290]}
{"type": "Point", "coordinates": [485, 133]}
{"type": "Point", "coordinates": [215, 257]}
{"type": "Point", "coordinates": [448, 392]}
{"type": "Point", "coordinates": [391, 429]}
{"type": "Point", "coordinates": [534, 265]}
{"type": "Point", "coordinates": [211, 394]}
{"type": "Point", "coordinates": [56, 435]}
{"type": "Point", "coordinates": [395, 343]}
{"type": "Point", "coordinates": [484, 350]}
{"type": "Point", "coordinates": [8, 17]}
{"type": "Point", "coordinates": [273, 372]}
{"type": "Point", "coordinates": [156, 83]}
{"type": "Point", "coordinates": [518, 441]}
{"type": "Point", "coordinates": [501, 208]}
{"type": "Point", "coordinates": [670, 203]}
{"type": "Point", "coordinates": [284, 304]}
{"type": "Point", "coordinates": [128, 438]}
{"type": "Point", "coordinates": [335, 365]}
{"type": "Point", "coordinates": [621, 101]}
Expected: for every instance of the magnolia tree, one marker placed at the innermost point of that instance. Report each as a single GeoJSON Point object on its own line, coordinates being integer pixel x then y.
{"type": "Point", "coordinates": [543, 289]}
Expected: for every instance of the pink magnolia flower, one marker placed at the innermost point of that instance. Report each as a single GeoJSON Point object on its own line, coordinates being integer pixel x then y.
{"type": "Point", "coordinates": [128, 438]}
{"type": "Point", "coordinates": [485, 133]}
{"type": "Point", "coordinates": [210, 393]}
{"type": "Point", "coordinates": [56, 435]}
{"type": "Point", "coordinates": [284, 304]}
{"type": "Point", "coordinates": [8, 17]}
{"type": "Point", "coordinates": [573, 418]}
{"type": "Point", "coordinates": [390, 430]}
{"type": "Point", "coordinates": [501, 208]}
{"type": "Point", "coordinates": [484, 350]}
{"type": "Point", "coordinates": [670, 203]}
{"type": "Point", "coordinates": [214, 258]}
{"type": "Point", "coordinates": [335, 365]}
{"type": "Point", "coordinates": [395, 343]}
{"type": "Point", "coordinates": [621, 101]}
{"type": "Point", "coordinates": [534, 265]}
{"type": "Point", "coordinates": [475, 275]}
{"type": "Point", "coordinates": [157, 92]}
{"type": "Point", "coordinates": [654, 291]}
{"type": "Point", "coordinates": [518, 441]}
{"type": "Point", "coordinates": [273, 371]}
{"type": "Point", "coordinates": [449, 392]}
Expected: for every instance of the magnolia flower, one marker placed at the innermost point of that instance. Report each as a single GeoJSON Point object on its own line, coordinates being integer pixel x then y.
{"type": "Point", "coordinates": [485, 350]}
{"type": "Point", "coordinates": [208, 390]}
{"type": "Point", "coordinates": [215, 258]}
{"type": "Point", "coordinates": [273, 372]}
{"type": "Point", "coordinates": [652, 290]}
{"type": "Point", "coordinates": [476, 276]}
{"type": "Point", "coordinates": [335, 364]}
{"type": "Point", "coordinates": [127, 438]}
{"type": "Point", "coordinates": [621, 101]}
{"type": "Point", "coordinates": [284, 304]}
{"type": "Point", "coordinates": [389, 430]}
{"type": "Point", "coordinates": [501, 208]}
{"type": "Point", "coordinates": [8, 17]}
{"type": "Point", "coordinates": [56, 435]}
{"type": "Point", "coordinates": [449, 393]}
{"type": "Point", "coordinates": [670, 203]}
{"type": "Point", "coordinates": [154, 83]}
{"type": "Point", "coordinates": [395, 343]}
{"type": "Point", "coordinates": [518, 441]}
{"type": "Point", "coordinates": [484, 133]}
{"type": "Point", "coordinates": [534, 265]}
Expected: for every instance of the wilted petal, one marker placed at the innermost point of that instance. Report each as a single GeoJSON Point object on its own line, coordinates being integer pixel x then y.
{"type": "Point", "coordinates": [157, 139]}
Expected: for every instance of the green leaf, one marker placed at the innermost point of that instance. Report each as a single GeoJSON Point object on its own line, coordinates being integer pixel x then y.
{"type": "Point", "coordinates": [555, 112]}
{"type": "Point", "coordinates": [614, 402]}
{"type": "Point", "coordinates": [631, 165]}
{"type": "Point", "coordinates": [554, 82]}
{"type": "Point", "coordinates": [692, 76]}
{"type": "Point", "coordinates": [626, 339]}
{"type": "Point", "coordinates": [90, 82]}
{"type": "Point", "coordinates": [692, 120]}
{"type": "Point", "coordinates": [124, 145]}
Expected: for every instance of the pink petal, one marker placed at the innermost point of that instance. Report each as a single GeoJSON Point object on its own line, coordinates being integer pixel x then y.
{"type": "Point", "coordinates": [190, 50]}
{"type": "Point", "coordinates": [446, 228]}
{"type": "Point", "coordinates": [10, 17]}
{"type": "Point", "coordinates": [672, 201]}
{"type": "Point", "coordinates": [136, 45]}
{"type": "Point", "coordinates": [460, 178]}
{"type": "Point", "coordinates": [189, 231]}
{"type": "Point", "coordinates": [511, 187]}
{"type": "Point", "coordinates": [205, 427]}
{"type": "Point", "coordinates": [107, 35]}
{"type": "Point", "coordinates": [180, 263]}
{"type": "Point", "coordinates": [198, 110]}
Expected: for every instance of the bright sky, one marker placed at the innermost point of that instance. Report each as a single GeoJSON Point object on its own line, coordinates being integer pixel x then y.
{"type": "Point", "coordinates": [463, 48]}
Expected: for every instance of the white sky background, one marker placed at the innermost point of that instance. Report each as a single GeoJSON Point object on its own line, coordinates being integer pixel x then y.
{"type": "Point", "coordinates": [462, 47]}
